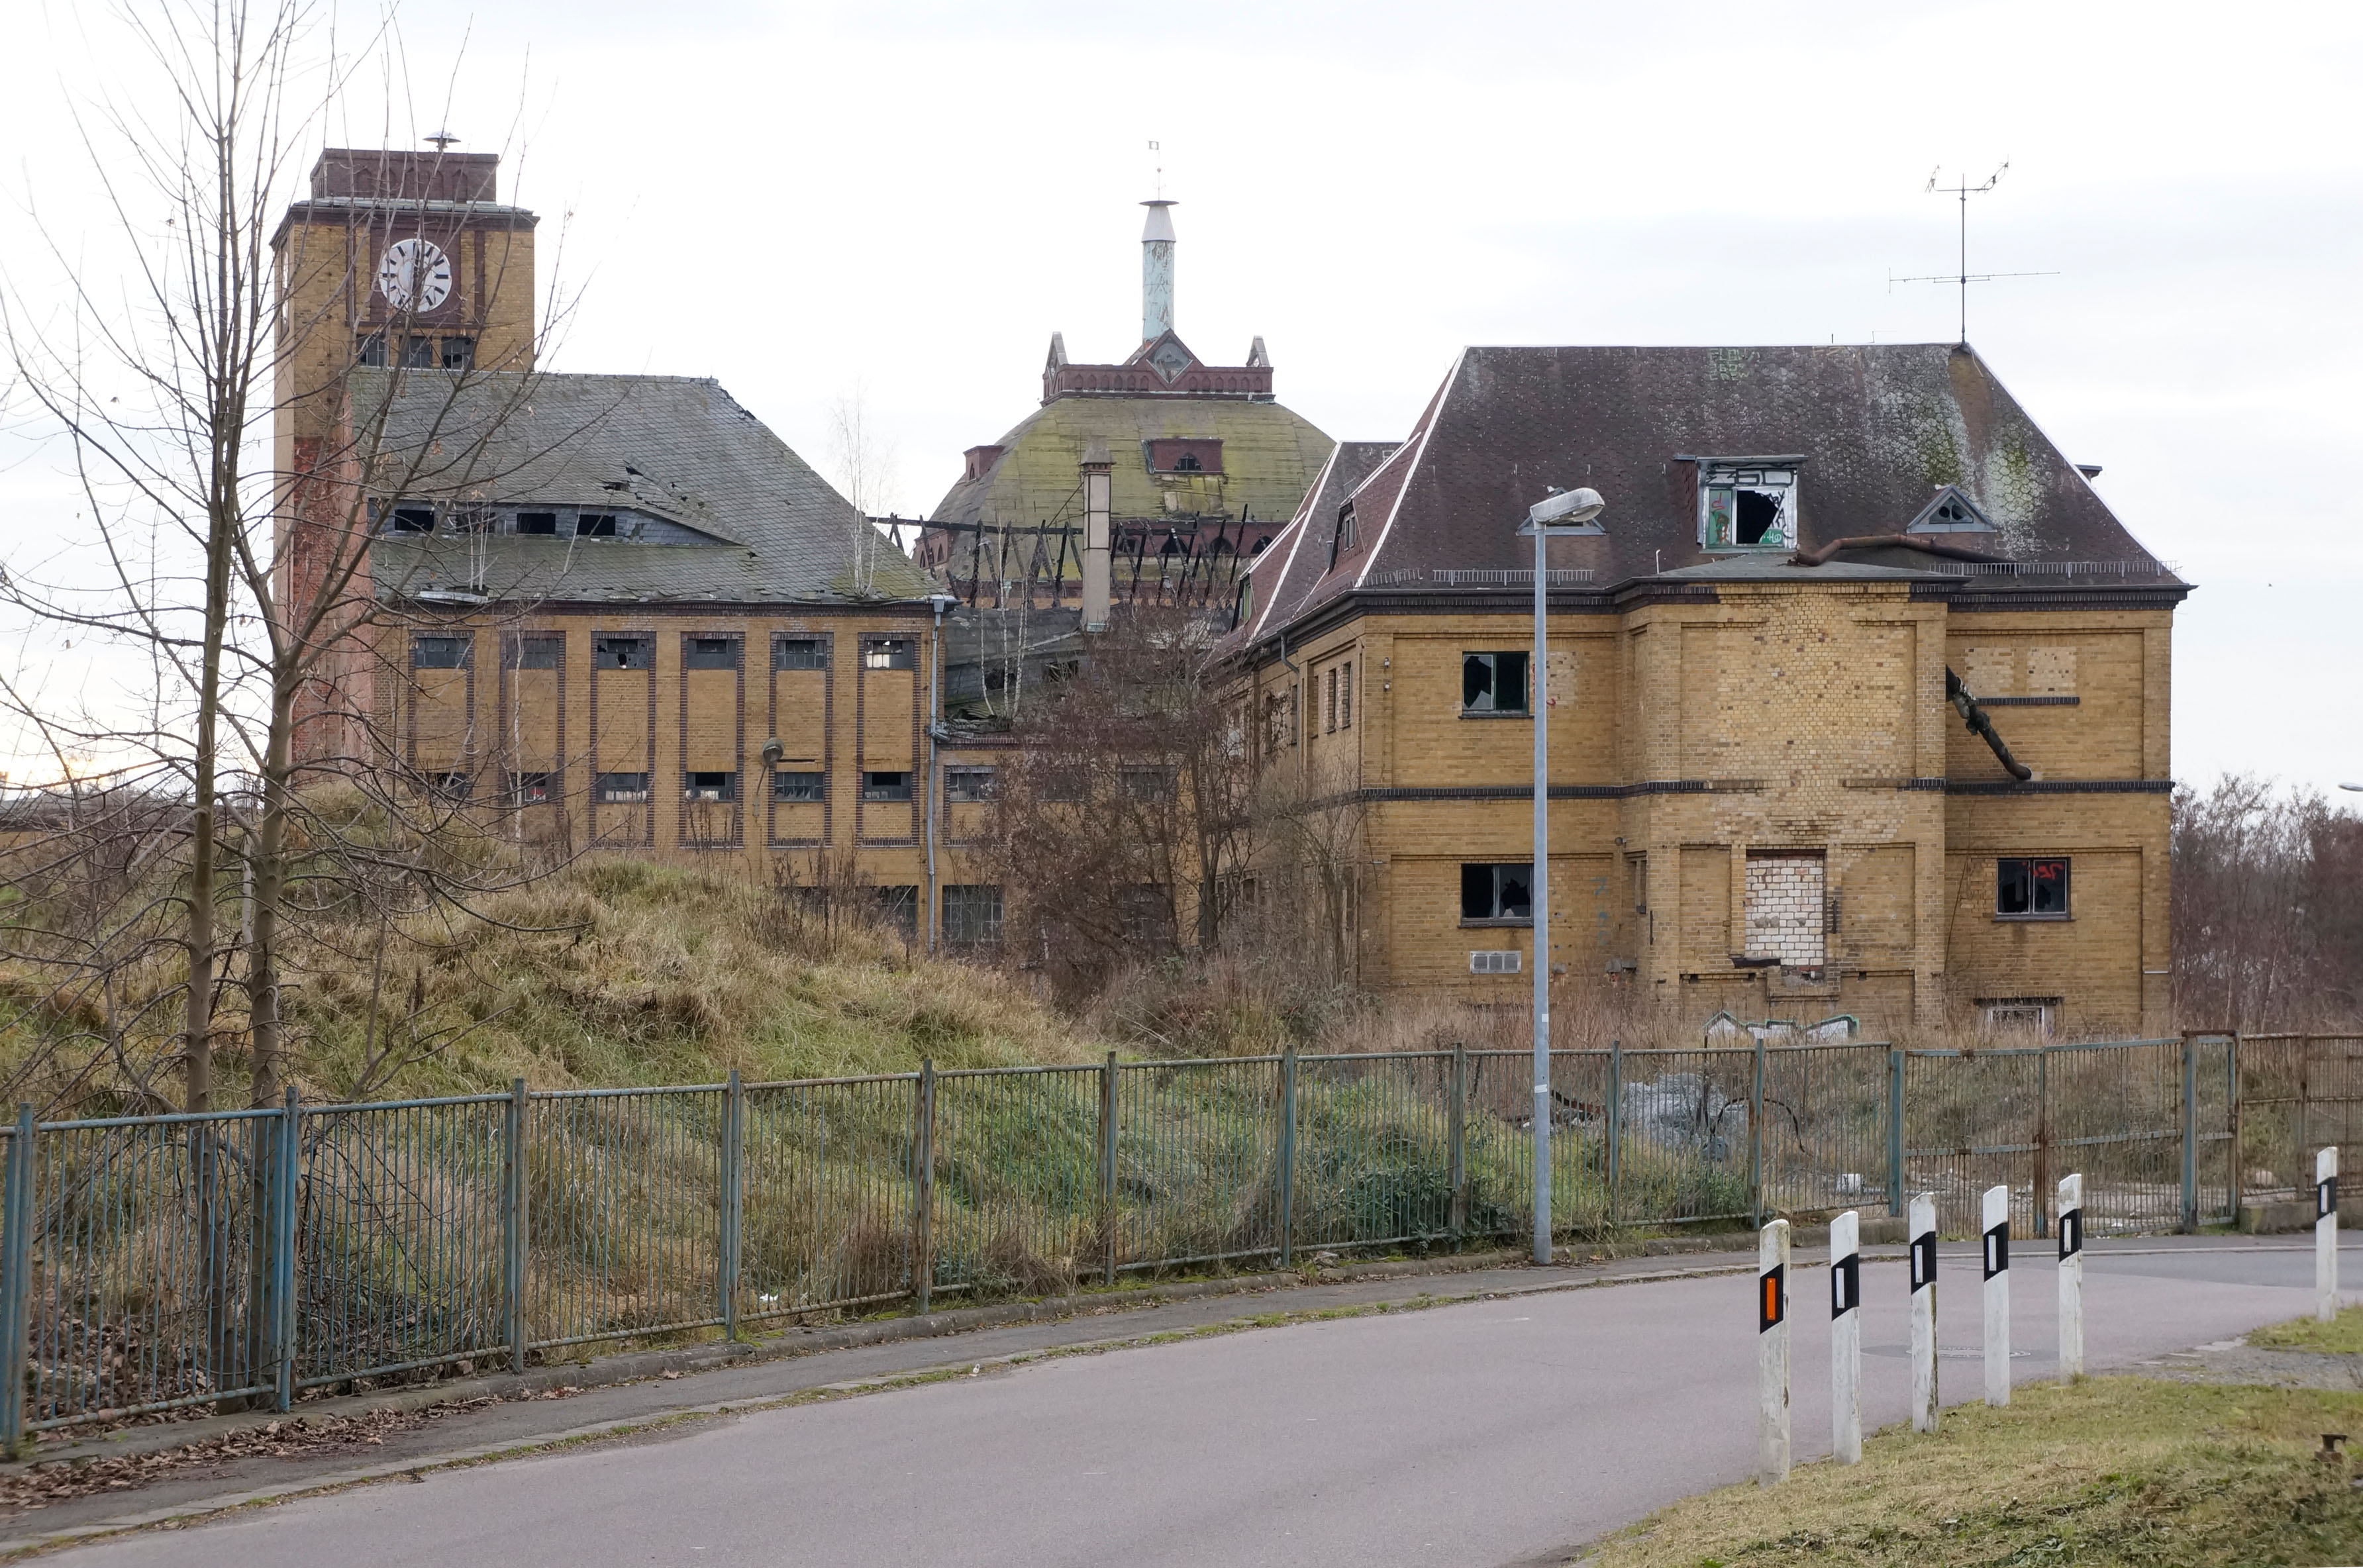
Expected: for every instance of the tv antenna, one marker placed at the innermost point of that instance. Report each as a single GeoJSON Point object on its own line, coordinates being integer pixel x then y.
{"type": "Point", "coordinates": [1964, 278]}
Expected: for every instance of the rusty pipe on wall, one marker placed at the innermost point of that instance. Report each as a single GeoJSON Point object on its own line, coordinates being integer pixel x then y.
{"type": "Point", "coordinates": [1982, 727]}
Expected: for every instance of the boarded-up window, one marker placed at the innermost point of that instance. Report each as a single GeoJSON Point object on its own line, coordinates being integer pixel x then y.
{"type": "Point", "coordinates": [1785, 908]}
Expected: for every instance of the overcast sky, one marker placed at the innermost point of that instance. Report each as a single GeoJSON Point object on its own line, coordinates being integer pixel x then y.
{"type": "Point", "coordinates": [905, 200]}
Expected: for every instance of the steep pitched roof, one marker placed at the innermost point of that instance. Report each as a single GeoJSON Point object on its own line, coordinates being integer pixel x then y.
{"type": "Point", "coordinates": [1297, 560]}
{"type": "Point", "coordinates": [1880, 428]}
{"type": "Point", "coordinates": [758, 524]}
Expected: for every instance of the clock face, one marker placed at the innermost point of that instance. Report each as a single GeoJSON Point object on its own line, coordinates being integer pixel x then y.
{"type": "Point", "coordinates": [415, 274]}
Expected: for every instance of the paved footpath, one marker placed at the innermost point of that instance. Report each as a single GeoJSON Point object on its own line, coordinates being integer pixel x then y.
{"type": "Point", "coordinates": [1504, 1429]}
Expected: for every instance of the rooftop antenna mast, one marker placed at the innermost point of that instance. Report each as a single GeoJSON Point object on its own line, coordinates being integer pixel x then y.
{"type": "Point", "coordinates": [1157, 151]}
{"type": "Point", "coordinates": [1964, 278]}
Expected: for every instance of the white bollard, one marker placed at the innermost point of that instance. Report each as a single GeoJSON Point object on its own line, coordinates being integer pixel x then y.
{"type": "Point", "coordinates": [1997, 1265]}
{"type": "Point", "coordinates": [1924, 1313]}
{"type": "Point", "coordinates": [2072, 1277]}
{"type": "Point", "coordinates": [1772, 1354]}
{"type": "Point", "coordinates": [2326, 1233]}
{"type": "Point", "coordinates": [1845, 1339]}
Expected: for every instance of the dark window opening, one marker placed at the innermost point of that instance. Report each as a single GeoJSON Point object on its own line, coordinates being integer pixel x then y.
{"type": "Point", "coordinates": [459, 353]}
{"type": "Point", "coordinates": [621, 789]}
{"type": "Point", "coordinates": [711, 653]}
{"type": "Point", "coordinates": [1347, 534]}
{"type": "Point", "coordinates": [450, 786]}
{"type": "Point", "coordinates": [623, 653]}
{"type": "Point", "coordinates": [372, 350]}
{"type": "Point", "coordinates": [594, 524]}
{"type": "Point", "coordinates": [537, 523]}
{"type": "Point", "coordinates": [1150, 784]}
{"type": "Point", "coordinates": [889, 653]}
{"type": "Point", "coordinates": [1493, 683]}
{"type": "Point", "coordinates": [799, 789]}
{"type": "Point", "coordinates": [1759, 515]}
{"type": "Point", "coordinates": [970, 783]}
{"type": "Point", "coordinates": [800, 652]}
{"type": "Point", "coordinates": [972, 915]}
{"type": "Point", "coordinates": [419, 353]}
{"type": "Point", "coordinates": [1188, 463]}
{"type": "Point", "coordinates": [1499, 891]}
{"type": "Point", "coordinates": [885, 786]}
{"type": "Point", "coordinates": [533, 788]}
{"type": "Point", "coordinates": [709, 785]}
{"type": "Point", "coordinates": [546, 651]}
{"type": "Point", "coordinates": [412, 520]}
{"type": "Point", "coordinates": [2030, 888]}
{"type": "Point", "coordinates": [899, 908]}
{"type": "Point", "coordinates": [439, 653]}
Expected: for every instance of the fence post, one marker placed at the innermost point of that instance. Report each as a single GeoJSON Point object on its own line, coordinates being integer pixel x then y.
{"type": "Point", "coordinates": [1107, 1163]}
{"type": "Point", "coordinates": [923, 1231]}
{"type": "Point", "coordinates": [283, 1249]}
{"type": "Point", "coordinates": [2189, 1134]}
{"type": "Point", "coordinates": [734, 1201]}
{"type": "Point", "coordinates": [1895, 1131]}
{"type": "Point", "coordinates": [1616, 1123]}
{"type": "Point", "coordinates": [1755, 1144]}
{"type": "Point", "coordinates": [1287, 1157]}
{"type": "Point", "coordinates": [16, 1282]}
{"type": "Point", "coordinates": [514, 1221]}
{"type": "Point", "coordinates": [1458, 1132]}
{"type": "Point", "coordinates": [2232, 1122]}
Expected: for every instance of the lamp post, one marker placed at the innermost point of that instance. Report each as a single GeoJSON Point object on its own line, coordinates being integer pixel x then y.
{"type": "Point", "coordinates": [1567, 512]}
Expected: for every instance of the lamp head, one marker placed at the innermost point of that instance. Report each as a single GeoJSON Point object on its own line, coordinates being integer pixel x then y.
{"type": "Point", "coordinates": [1569, 506]}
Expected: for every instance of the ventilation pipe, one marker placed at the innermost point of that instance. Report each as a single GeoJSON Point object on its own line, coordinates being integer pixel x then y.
{"type": "Point", "coordinates": [1097, 473]}
{"type": "Point", "coordinates": [1157, 272]}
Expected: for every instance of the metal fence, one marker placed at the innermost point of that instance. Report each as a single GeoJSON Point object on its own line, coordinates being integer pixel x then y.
{"type": "Point", "coordinates": [238, 1258]}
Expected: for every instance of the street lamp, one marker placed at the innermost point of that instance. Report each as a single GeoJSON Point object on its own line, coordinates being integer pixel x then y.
{"type": "Point", "coordinates": [1564, 512]}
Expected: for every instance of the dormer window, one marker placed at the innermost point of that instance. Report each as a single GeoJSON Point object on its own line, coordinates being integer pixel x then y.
{"type": "Point", "coordinates": [1198, 458]}
{"type": "Point", "coordinates": [1949, 511]}
{"type": "Point", "coordinates": [1748, 503]}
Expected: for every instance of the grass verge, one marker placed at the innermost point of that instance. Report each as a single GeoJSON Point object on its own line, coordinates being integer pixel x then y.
{"type": "Point", "coordinates": [2343, 1335]}
{"type": "Point", "coordinates": [2108, 1471]}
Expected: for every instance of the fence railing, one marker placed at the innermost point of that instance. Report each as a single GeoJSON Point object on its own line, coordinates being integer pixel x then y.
{"type": "Point", "coordinates": [242, 1258]}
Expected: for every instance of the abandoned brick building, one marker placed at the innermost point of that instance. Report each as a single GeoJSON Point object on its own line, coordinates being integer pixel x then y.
{"type": "Point", "coordinates": [1814, 561]}
{"type": "Point", "coordinates": [616, 606]}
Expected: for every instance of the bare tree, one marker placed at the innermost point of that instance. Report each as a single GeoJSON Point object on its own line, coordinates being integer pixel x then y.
{"type": "Point", "coordinates": [2268, 908]}
{"type": "Point", "coordinates": [864, 462]}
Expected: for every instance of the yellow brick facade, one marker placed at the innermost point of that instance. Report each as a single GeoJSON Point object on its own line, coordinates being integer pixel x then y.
{"type": "Point", "coordinates": [1693, 730]}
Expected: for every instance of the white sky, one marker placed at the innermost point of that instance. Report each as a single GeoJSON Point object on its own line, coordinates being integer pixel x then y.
{"type": "Point", "coordinates": [907, 199]}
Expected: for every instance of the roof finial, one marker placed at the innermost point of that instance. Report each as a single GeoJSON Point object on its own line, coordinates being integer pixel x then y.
{"type": "Point", "coordinates": [441, 141]}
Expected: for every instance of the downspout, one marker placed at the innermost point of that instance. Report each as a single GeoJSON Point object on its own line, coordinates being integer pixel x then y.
{"type": "Point", "coordinates": [1981, 726]}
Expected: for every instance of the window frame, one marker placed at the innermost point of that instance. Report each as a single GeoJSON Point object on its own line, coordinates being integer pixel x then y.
{"type": "Point", "coordinates": [517, 524]}
{"type": "Point", "coordinates": [819, 787]}
{"type": "Point", "coordinates": [644, 642]}
{"type": "Point", "coordinates": [973, 795]}
{"type": "Point", "coordinates": [464, 646]}
{"type": "Point", "coordinates": [694, 656]}
{"type": "Point", "coordinates": [1524, 870]}
{"type": "Point", "coordinates": [534, 788]}
{"type": "Point", "coordinates": [1345, 695]}
{"type": "Point", "coordinates": [1525, 710]}
{"type": "Point", "coordinates": [607, 791]}
{"type": "Point", "coordinates": [876, 793]}
{"type": "Point", "coordinates": [960, 931]}
{"type": "Point", "coordinates": [518, 643]}
{"type": "Point", "coordinates": [1778, 479]}
{"type": "Point", "coordinates": [879, 652]}
{"type": "Point", "coordinates": [782, 644]}
{"type": "Point", "coordinates": [2033, 878]}
{"type": "Point", "coordinates": [725, 789]}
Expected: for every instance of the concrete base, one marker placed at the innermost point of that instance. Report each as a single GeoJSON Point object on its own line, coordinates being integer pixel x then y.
{"type": "Point", "coordinates": [2275, 1219]}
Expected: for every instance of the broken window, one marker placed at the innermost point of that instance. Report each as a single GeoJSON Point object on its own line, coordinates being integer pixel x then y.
{"type": "Point", "coordinates": [537, 522]}
{"type": "Point", "coordinates": [799, 652]}
{"type": "Point", "coordinates": [889, 653]}
{"type": "Point", "coordinates": [1493, 683]}
{"type": "Point", "coordinates": [450, 786]}
{"type": "Point", "coordinates": [970, 783]}
{"type": "Point", "coordinates": [623, 653]}
{"type": "Point", "coordinates": [594, 524]}
{"type": "Point", "coordinates": [899, 908]}
{"type": "Point", "coordinates": [1786, 915]}
{"type": "Point", "coordinates": [459, 353]}
{"type": "Point", "coordinates": [411, 520]}
{"type": "Point", "coordinates": [799, 789]}
{"type": "Point", "coordinates": [621, 789]}
{"type": "Point", "coordinates": [1144, 910]}
{"type": "Point", "coordinates": [1150, 784]}
{"type": "Point", "coordinates": [1746, 506]}
{"type": "Point", "coordinates": [710, 653]}
{"type": "Point", "coordinates": [971, 913]}
{"type": "Point", "coordinates": [2017, 1015]}
{"type": "Point", "coordinates": [709, 785]}
{"type": "Point", "coordinates": [372, 350]}
{"type": "Point", "coordinates": [439, 653]}
{"type": "Point", "coordinates": [886, 785]}
{"type": "Point", "coordinates": [2030, 889]}
{"type": "Point", "coordinates": [1501, 890]}
{"type": "Point", "coordinates": [1345, 696]}
{"type": "Point", "coordinates": [419, 353]}
{"type": "Point", "coordinates": [545, 650]}
{"type": "Point", "coordinates": [532, 789]}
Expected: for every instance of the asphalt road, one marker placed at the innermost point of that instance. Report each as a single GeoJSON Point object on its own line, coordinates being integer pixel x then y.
{"type": "Point", "coordinates": [1494, 1432]}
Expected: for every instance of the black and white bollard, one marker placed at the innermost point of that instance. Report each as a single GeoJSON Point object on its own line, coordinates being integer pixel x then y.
{"type": "Point", "coordinates": [1924, 1313]}
{"type": "Point", "coordinates": [1772, 1354]}
{"type": "Point", "coordinates": [1845, 1339]}
{"type": "Point", "coordinates": [2072, 1277]}
{"type": "Point", "coordinates": [1997, 1262]}
{"type": "Point", "coordinates": [2326, 1233]}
